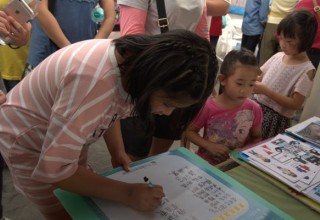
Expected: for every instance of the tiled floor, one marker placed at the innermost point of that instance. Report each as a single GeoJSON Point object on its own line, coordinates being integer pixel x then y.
{"type": "Point", "coordinates": [16, 206]}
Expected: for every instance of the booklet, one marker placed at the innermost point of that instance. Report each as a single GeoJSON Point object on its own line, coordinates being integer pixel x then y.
{"type": "Point", "coordinates": [292, 161]}
{"type": "Point", "coordinates": [308, 131]}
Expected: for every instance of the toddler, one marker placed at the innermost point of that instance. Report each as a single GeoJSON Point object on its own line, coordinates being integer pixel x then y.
{"type": "Point", "coordinates": [230, 120]}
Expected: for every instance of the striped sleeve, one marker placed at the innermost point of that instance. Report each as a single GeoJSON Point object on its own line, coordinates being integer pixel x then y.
{"type": "Point", "coordinates": [83, 97]}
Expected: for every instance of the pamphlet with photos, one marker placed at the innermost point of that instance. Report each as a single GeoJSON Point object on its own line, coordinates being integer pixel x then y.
{"type": "Point", "coordinates": [308, 130]}
{"type": "Point", "coordinates": [290, 160]}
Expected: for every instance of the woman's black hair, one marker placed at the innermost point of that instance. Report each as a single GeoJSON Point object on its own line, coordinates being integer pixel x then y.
{"type": "Point", "coordinates": [179, 62]}
{"type": "Point", "coordinates": [300, 24]}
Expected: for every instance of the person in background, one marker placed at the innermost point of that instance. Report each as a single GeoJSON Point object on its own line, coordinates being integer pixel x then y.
{"type": "Point", "coordinates": [254, 20]}
{"type": "Point", "coordinates": [14, 56]}
{"type": "Point", "coordinates": [269, 44]}
{"type": "Point", "coordinates": [72, 99]}
{"type": "Point", "coordinates": [217, 7]}
{"type": "Point", "coordinates": [12, 61]}
{"type": "Point", "coordinates": [215, 10]}
{"type": "Point", "coordinates": [230, 120]}
{"type": "Point", "coordinates": [215, 30]}
{"type": "Point", "coordinates": [191, 16]}
{"type": "Point", "coordinates": [287, 77]}
{"type": "Point", "coordinates": [314, 51]}
{"type": "Point", "coordinates": [58, 24]}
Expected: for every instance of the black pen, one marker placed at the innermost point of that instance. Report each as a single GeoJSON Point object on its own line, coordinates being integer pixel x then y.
{"type": "Point", "coordinates": [146, 180]}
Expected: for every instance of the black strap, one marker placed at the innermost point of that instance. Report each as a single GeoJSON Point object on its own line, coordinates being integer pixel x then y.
{"type": "Point", "coordinates": [162, 20]}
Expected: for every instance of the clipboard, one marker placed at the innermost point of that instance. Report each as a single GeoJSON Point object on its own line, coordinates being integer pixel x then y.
{"type": "Point", "coordinates": [167, 167]}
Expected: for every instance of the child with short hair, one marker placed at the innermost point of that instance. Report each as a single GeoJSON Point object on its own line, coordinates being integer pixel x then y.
{"type": "Point", "coordinates": [287, 77]}
{"type": "Point", "coordinates": [230, 120]}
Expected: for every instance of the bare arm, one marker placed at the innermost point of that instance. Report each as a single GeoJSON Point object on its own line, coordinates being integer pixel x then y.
{"type": "Point", "coordinates": [202, 27]}
{"type": "Point", "coordinates": [132, 20]}
{"type": "Point", "coordinates": [219, 150]}
{"type": "Point", "coordinates": [113, 139]}
{"type": "Point", "coordinates": [255, 136]}
{"type": "Point", "coordinates": [292, 102]}
{"type": "Point", "coordinates": [138, 196]}
{"type": "Point", "coordinates": [108, 23]}
{"type": "Point", "coordinates": [217, 7]}
{"type": "Point", "coordinates": [50, 25]}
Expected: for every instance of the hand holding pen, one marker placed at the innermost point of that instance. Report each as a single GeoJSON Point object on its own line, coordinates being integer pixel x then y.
{"type": "Point", "coordinates": [145, 196]}
{"type": "Point", "coordinates": [147, 181]}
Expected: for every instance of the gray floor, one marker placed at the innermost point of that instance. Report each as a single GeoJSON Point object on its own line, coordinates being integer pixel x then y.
{"type": "Point", "coordinates": [16, 206]}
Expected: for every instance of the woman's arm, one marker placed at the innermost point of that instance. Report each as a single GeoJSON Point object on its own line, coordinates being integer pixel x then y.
{"type": "Point", "coordinates": [255, 136]}
{"type": "Point", "coordinates": [132, 20]}
{"type": "Point", "coordinates": [292, 102]}
{"type": "Point", "coordinates": [50, 25]}
{"type": "Point", "coordinates": [217, 7]}
{"type": "Point", "coordinates": [138, 196]}
{"type": "Point", "coordinates": [113, 139]}
{"type": "Point", "coordinates": [108, 23]}
{"type": "Point", "coordinates": [202, 28]}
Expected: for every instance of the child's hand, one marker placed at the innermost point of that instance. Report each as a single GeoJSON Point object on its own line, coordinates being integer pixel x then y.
{"type": "Point", "coordinates": [3, 97]}
{"type": "Point", "coordinates": [145, 198]}
{"type": "Point", "coordinates": [259, 88]}
{"type": "Point", "coordinates": [219, 152]}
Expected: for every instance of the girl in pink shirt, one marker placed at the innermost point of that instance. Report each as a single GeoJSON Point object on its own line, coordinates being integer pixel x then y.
{"type": "Point", "coordinates": [79, 93]}
{"type": "Point", "coordinates": [230, 120]}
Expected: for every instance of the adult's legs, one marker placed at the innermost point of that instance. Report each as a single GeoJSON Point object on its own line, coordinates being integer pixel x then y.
{"type": "Point", "coordinates": [214, 40]}
{"type": "Point", "coordinates": [160, 145]}
{"type": "Point", "coordinates": [250, 42]}
{"type": "Point", "coordinates": [135, 139]}
{"type": "Point", "coordinates": [9, 84]}
{"type": "Point", "coordinates": [138, 144]}
{"type": "Point", "coordinates": [269, 44]}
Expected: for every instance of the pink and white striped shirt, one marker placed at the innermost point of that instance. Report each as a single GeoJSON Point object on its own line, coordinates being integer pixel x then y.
{"type": "Point", "coordinates": [58, 110]}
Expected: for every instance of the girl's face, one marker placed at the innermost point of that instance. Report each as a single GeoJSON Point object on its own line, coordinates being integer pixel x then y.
{"type": "Point", "coordinates": [162, 105]}
{"type": "Point", "coordinates": [290, 46]}
{"type": "Point", "coordinates": [239, 85]}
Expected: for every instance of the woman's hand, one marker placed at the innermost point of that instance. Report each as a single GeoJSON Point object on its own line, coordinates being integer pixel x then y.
{"type": "Point", "coordinates": [121, 159]}
{"type": "Point", "coordinates": [4, 27]}
{"type": "Point", "coordinates": [143, 197]}
{"type": "Point", "coordinates": [19, 34]}
{"type": "Point", "coordinates": [13, 32]}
